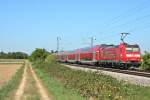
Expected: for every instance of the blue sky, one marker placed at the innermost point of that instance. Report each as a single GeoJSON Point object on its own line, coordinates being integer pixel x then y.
{"type": "Point", "coordinates": [29, 24]}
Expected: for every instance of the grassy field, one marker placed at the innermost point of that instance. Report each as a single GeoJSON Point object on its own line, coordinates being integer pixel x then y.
{"type": "Point", "coordinates": [12, 60]}
{"type": "Point", "coordinates": [88, 85]}
{"type": "Point", "coordinates": [7, 89]}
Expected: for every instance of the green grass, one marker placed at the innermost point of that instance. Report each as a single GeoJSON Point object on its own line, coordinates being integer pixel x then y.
{"type": "Point", "coordinates": [56, 89]}
{"type": "Point", "coordinates": [11, 85]}
{"type": "Point", "coordinates": [12, 60]}
{"type": "Point", "coordinates": [89, 85]}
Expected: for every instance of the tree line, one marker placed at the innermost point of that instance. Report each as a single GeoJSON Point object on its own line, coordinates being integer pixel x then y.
{"type": "Point", "coordinates": [13, 55]}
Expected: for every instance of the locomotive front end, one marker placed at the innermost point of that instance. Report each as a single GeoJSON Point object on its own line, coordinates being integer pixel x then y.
{"type": "Point", "coordinates": [132, 55]}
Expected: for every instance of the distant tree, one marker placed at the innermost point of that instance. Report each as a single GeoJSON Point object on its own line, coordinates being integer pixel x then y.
{"type": "Point", "coordinates": [146, 61]}
{"type": "Point", "coordinates": [39, 55]}
{"type": "Point", "coordinates": [20, 55]}
{"type": "Point", "coordinates": [13, 55]}
{"type": "Point", "coordinates": [52, 51]}
{"type": "Point", "coordinates": [3, 55]}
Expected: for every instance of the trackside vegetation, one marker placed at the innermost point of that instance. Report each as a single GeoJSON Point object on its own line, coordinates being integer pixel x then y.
{"type": "Point", "coordinates": [11, 85]}
{"type": "Point", "coordinates": [91, 85]}
{"type": "Point", "coordinates": [146, 61]}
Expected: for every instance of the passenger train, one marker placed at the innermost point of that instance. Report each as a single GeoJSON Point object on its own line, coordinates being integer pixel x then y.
{"type": "Point", "coordinates": [118, 56]}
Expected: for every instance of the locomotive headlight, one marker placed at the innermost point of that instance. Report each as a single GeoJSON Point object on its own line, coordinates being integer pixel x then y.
{"type": "Point", "coordinates": [133, 55]}
{"type": "Point", "coordinates": [128, 55]}
{"type": "Point", "coordinates": [137, 55]}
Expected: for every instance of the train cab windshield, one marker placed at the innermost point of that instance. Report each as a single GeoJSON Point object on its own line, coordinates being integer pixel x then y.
{"type": "Point", "coordinates": [132, 48]}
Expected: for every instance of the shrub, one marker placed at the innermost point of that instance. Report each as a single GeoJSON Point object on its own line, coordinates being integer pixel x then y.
{"type": "Point", "coordinates": [39, 55]}
{"type": "Point", "coordinates": [51, 59]}
{"type": "Point", "coordinates": [146, 61]}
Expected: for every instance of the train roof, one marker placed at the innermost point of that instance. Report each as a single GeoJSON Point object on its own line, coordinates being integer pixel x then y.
{"type": "Point", "coordinates": [94, 48]}
{"type": "Point", "coordinates": [130, 45]}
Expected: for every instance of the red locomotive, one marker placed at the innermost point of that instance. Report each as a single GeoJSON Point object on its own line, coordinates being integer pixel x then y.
{"type": "Point", "coordinates": [121, 56]}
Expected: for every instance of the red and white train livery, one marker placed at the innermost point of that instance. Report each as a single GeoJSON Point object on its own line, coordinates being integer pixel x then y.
{"type": "Point", "coordinates": [123, 55]}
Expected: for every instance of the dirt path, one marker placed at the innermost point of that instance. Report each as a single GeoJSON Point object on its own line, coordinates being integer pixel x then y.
{"type": "Point", "coordinates": [31, 87]}
{"type": "Point", "coordinates": [42, 91]}
{"type": "Point", "coordinates": [20, 90]}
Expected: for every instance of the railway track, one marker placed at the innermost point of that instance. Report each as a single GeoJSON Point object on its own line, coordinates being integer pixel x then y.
{"type": "Point", "coordinates": [130, 72]}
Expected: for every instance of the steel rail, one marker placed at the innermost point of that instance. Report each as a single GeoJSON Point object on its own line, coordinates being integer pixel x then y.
{"type": "Point", "coordinates": [130, 72]}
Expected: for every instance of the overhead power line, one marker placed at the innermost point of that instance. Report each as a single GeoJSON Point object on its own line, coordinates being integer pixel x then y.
{"type": "Point", "coordinates": [129, 22]}
{"type": "Point", "coordinates": [125, 15]}
{"type": "Point", "coordinates": [139, 28]}
{"type": "Point", "coordinates": [128, 13]}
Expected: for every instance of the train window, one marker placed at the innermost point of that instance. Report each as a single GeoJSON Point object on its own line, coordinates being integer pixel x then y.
{"type": "Point", "coordinates": [135, 49]}
{"type": "Point", "coordinates": [129, 49]}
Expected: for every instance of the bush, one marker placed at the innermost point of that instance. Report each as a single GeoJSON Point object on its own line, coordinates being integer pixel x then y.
{"type": "Point", "coordinates": [39, 55]}
{"type": "Point", "coordinates": [51, 59]}
{"type": "Point", "coordinates": [146, 61]}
